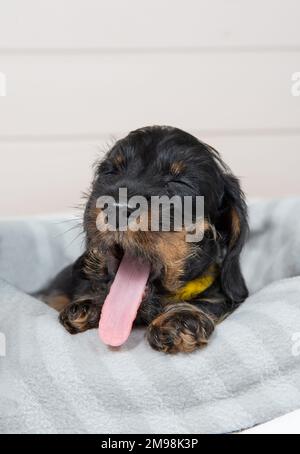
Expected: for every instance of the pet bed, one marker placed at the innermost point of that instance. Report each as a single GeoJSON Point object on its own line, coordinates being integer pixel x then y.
{"type": "Point", "coordinates": [52, 382]}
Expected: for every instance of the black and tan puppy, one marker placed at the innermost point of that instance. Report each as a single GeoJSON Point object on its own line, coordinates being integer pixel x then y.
{"type": "Point", "coordinates": [192, 286]}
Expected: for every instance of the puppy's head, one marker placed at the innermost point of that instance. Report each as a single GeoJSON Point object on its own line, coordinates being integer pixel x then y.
{"type": "Point", "coordinates": [165, 161]}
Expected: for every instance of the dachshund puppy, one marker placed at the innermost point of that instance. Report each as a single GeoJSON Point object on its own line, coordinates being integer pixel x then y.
{"type": "Point", "coordinates": [189, 286]}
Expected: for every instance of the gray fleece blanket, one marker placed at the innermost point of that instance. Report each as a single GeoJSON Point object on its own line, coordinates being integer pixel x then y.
{"type": "Point", "coordinates": [52, 382]}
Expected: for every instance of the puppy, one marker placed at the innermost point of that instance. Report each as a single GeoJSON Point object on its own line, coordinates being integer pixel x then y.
{"type": "Point", "coordinates": [191, 286]}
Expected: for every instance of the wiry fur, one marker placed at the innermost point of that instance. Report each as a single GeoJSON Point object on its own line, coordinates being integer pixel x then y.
{"type": "Point", "coordinates": [161, 161]}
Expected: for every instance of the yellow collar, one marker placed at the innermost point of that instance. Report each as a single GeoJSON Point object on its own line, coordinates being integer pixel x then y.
{"type": "Point", "coordinates": [197, 286]}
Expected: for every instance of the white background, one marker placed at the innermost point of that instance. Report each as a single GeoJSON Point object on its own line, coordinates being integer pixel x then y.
{"type": "Point", "coordinates": [80, 72]}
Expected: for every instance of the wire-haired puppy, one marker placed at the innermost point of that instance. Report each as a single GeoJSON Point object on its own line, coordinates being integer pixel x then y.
{"type": "Point", "coordinates": [179, 289]}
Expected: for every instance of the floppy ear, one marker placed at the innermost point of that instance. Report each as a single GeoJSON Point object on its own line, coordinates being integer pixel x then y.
{"type": "Point", "coordinates": [233, 226]}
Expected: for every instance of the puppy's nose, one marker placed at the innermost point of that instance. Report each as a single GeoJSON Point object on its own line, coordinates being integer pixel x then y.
{"type": "Point", "coordinates": [130, 210]}
{"type": "Point", "coordinates": [123, 212]}
{"type": "Point", "coordinates": [124, 209]}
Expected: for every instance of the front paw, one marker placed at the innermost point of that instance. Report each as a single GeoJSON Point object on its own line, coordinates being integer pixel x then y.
{"type": "Point", "coordinates": [180, 328]}
{"type": "Point", "coordinates": [80, 316]}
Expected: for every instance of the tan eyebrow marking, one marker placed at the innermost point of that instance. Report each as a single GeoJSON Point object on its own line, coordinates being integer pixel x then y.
{"type": "Point", "coordinates": [119, 160]}
{"type": "Point", "coordinates": [177, 167]}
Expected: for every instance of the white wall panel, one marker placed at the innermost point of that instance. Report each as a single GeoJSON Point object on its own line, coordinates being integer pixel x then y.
{"type": "Point", "coordinates": [102, 94]}
{"type": "Point", "coordinates": [79, 71]}
{"type": "Point", "coordinates": [42, 178]}
{"type": "Point", "coordinates": [138, 24]}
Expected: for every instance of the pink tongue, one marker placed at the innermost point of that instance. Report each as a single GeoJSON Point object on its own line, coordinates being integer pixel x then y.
{"type": "Point", "coordinates": [122, 303]}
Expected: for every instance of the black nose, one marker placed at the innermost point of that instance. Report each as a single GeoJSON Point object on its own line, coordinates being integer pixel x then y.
{"type": "Point", "coordinates": [123, 212]}
{"type": "Point", "coordinates": [130, 210]}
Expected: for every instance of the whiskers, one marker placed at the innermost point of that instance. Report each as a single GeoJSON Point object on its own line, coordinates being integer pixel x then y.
{"type": "Point", "coordinates": [76, 225]}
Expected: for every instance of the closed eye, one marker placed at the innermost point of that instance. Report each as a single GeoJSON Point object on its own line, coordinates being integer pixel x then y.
{"type": "Point", "coordinates": [108, 168]}
{"type": "Point", "coordinates": [111, 172]}
{"type": "Point", "coordinates": [182, 183]}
